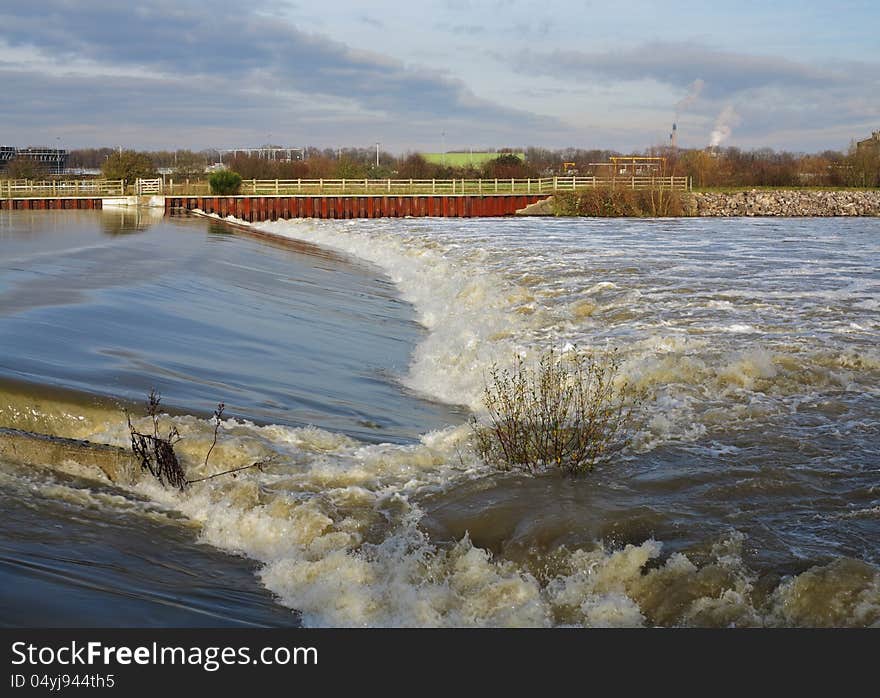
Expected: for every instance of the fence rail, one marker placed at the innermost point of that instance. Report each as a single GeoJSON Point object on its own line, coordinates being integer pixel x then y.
{"type": "Point", "coordinates": [23, 189]}
{"type": "Point", "coordinates": [27, 189]}
{"type": "Point", "coordinates": [441, 187]}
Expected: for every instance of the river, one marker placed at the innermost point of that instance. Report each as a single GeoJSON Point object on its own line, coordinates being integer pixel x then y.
{"type": "Point", "coordinates": [351, 354]}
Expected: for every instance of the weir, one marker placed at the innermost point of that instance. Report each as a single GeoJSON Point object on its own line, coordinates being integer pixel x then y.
{"type": "Point", "coordinates": [270, 208]}
{"type": "Point", "coordinates": [261, 200]}
{"type": "Point", "coordinates": [46, 203]}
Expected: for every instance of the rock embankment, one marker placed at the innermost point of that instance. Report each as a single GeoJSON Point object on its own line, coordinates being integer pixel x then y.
{"type": "Point", "coordinates": [786, 203]}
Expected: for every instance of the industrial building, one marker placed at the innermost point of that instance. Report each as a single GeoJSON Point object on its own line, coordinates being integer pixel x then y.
{"type": "Point", "coordinates": [872, 143]}
{"type": "Point", "coordinates": [51, 160]}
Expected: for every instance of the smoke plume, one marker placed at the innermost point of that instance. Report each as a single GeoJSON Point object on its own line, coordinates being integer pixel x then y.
{"type": "Point", "coordinates": [693, 93]}
{"type": "Point", "coordinates": [724, 124]}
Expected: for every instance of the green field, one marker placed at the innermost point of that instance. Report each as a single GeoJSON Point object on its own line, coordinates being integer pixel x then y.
{"type": "Point", "coordinates": [465, 159]}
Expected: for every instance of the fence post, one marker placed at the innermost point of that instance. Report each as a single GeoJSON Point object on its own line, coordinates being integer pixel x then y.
{"type": "Point", "coordinates": [389, 185]}
{"type": "Point", "coordinates": [276, 187]}
{"type": "Point", "coordinates": [633, 182]}
{"type": "Point", "coordinates": [530, 185]}
{"type": "Point", "coordinates": [433, 186]}
{"type": "Point", "coordinates": [555, 183]}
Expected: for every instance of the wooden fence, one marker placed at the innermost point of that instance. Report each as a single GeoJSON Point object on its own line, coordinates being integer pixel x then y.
{"type": "Point", "coordinates": [443, 187]}
{"type": "Point", "coordinates": [60, 188]}
{"type": "Point", "coordinates": [22, 189]}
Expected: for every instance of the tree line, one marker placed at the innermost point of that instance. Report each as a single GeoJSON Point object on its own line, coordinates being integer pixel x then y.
{"type": "Point", "coordinates": [732, 167]}
{"type": "Point", "coordinates": [725, 167]}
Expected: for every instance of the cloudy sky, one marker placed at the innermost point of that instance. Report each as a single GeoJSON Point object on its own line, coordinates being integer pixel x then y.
{"type": "Point", "coordinates": [799, 75]}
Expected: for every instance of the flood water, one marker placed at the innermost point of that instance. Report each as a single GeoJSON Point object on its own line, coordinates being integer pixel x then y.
{"type": "Point", "coordinates": [352, 357]}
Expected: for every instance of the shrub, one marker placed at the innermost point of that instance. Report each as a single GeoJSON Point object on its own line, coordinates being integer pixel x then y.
{"type": "Point", "coordinates": [129, 165]}
{"type": "Point", "coordinates": [25, 168]}
{"type": "Point", "coordinates": [620, 201]}
{"type": "Point", "coordinates": [565, 203]}
{"type": "Point", "coordinates": [568, 412]}
{"type": "Point", "coordinates": [507, 166]}
{"type": "Point", "coordinates": [225, 182]}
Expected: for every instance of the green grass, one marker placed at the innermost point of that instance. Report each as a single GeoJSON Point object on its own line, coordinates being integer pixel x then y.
{"type": "Point", "coordinates": [465, 159]}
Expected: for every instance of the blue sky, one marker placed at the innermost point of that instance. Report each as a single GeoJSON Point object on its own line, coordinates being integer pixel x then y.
{"type": "Point", "coordinates": [802, 76]}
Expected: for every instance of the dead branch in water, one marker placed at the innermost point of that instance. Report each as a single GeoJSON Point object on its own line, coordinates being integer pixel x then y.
{"type": "Point", "coordinates": [259, 465]}
{"type": "Point", "coordinates": [156, 453]}
{"type": "Point", "coordinates": [218, 415]}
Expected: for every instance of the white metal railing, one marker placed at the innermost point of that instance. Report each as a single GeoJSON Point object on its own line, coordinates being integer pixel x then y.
{"type": "Point", "coordinates": [27, 188]}
{"type": "Point", "coordinates": [548, 185]}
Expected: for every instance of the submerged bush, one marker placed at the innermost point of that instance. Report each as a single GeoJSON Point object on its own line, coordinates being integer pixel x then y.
{"type": "Point", "coordinates": [568, 412]}
{"type": "Point", "coordinates": [225, 182]}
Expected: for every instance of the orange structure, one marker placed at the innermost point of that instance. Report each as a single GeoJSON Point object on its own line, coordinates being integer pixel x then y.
{"type": "Point", "coordinates": [270, 208]}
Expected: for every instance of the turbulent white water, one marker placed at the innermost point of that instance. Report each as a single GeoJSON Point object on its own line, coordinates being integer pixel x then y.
{"type": "Point", "coordinates": [719, 328]}
{"type": "Point", "coordinates": [757, 341]}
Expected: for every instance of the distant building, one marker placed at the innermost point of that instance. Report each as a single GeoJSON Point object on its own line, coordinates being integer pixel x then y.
{"type": "Point", "coordinates": [872, 143]}
{"type": "Point", "coordinates": [52, 160]}
{"type": "Point", "coordinates": [6, 154]}
{"type": "Point", "coordinates": [628, 166]}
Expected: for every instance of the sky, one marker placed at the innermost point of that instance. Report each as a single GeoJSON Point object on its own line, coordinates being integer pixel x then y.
{"type": "Point", "coordinates": [439, 75]}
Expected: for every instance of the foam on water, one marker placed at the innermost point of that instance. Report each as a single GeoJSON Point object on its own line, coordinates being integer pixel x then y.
{"type": "Point", "coordinates": [335, 526]}
{"type": "Point", "coordinates": [488, 293]}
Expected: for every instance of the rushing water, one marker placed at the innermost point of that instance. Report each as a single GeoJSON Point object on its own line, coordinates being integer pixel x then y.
{"type": "Point", "coordinates": [749, 495]}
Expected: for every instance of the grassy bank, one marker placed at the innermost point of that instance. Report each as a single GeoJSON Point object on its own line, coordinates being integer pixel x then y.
{"type": "Point", "coordinates": [620, 202]}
